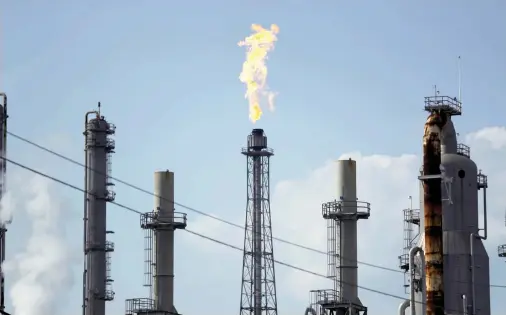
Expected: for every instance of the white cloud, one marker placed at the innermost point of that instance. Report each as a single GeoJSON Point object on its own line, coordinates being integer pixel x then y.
{"type": "Point", "coordinates": [384, 181]}
{"type": "Point", "coordinates": [40, 274]}
{"type": "Point", "coordinates": [495, 137]}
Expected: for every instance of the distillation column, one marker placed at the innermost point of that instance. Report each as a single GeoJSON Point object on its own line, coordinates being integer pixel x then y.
{"type": "Point", "coordinates": [456, 262]}
{"type": "Point", "coordinates": [98, 147]}
{"type": "Point", "coordinates": [3, 169]}
{"type": "Point", "coordinates": [258, 290]}
{"type": "Point", "coordinates": [159, 226]}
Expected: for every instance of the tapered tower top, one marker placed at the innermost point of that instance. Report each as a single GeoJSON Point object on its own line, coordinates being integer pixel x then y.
{"type": "Point", "coordinates": [257, 144]}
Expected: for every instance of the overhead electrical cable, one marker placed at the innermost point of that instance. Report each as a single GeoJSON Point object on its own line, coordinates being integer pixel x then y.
{"type": "Point", "coordinates": [175, 203]}
{"type": "Point", "coordinates": [210, 238]}
{"type": "Point", "coordinates": [66, 158]}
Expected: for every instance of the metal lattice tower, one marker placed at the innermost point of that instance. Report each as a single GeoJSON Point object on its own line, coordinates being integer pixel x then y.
{"type": "Point", "coordinates": [410, 237]}
{"type": "Point", "coordinates": [342, 216]}
{"type": "Point", "coordinates": [258, 290]}
{"type": "Point", "coordinates": [97, 286]}
{"type": "Point", "coordinates": [159, 226]}
{"type": "Point", "coordinates": [3, 172]}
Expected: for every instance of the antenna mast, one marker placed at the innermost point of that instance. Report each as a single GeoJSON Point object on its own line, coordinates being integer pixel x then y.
{"type": "Point", "coordinates": [459, 64]}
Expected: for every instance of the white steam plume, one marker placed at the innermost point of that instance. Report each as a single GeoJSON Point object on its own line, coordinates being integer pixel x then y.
{"type": "Point", "coordinates": [7, 204]}
{"type": "Point", "coordinates": [42, 270]}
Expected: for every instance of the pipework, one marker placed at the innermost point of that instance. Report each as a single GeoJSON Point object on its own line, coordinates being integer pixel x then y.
{"type": "Point", "coordinates": [85, 215]}
{"type": "Point", "coordinates": [464, 304]}
{"type": "Point", "coordinates": [412, 254]}
{"type": "Point", "coordinates": [433, 212]}
{"type": "Point", "coordinates": [3, 176]}
{"type": "Point", "coordinates": [482, 183]}
{"type": "Point", "coordinates": [403, 307]}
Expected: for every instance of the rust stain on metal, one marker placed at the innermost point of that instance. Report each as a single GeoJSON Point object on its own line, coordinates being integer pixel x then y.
{"type": "Point", "coordinates": [433, 214]}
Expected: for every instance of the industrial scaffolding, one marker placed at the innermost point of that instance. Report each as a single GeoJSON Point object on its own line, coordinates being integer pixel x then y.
{"type": "Point", "coordinates": [412, 220]}
{"type": "Point", "coordinates": [411, 234]}
{"type": "Point", "coordinates": [258, 285]}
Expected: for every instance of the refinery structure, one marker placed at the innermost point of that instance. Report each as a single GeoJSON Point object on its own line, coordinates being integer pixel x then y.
{"type": "Point", "coordinates": [444, 259]}
{"type": "Point", "coordinates": [3, 170]}
{"type": "Point", "coordinates": [98, 148]}
{"type": "Point", "coordinates": [258, 290]}
{"type": "Point", "coordinates": [342, 215]}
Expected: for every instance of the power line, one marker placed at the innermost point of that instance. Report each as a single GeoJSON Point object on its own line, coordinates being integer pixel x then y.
{"type": "Point", "coordinates": [189, 231]}
{"type": "Point", "coordinates": [212, 239]}
{"type": "Point", "coordinates": [221, 242]}
{"type": "Point", "coordinates": [176, 203]}
{"type": "Point", "coordinates": [66, 158]}
{"type": "Point", "coordinates": [192, 232]}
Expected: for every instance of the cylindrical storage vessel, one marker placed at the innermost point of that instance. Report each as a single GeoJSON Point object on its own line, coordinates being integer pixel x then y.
{"type": "Point", "coordinates": [460, 219]}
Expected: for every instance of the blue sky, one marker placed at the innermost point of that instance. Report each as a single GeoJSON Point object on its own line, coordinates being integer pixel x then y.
{"type": "Point", "coordinates": [351, 76]}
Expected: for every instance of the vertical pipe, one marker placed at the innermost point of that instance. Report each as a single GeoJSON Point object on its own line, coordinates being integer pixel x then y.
{"type": "Point", "coordinates": [3, 229]}
{"type": "Point", "coordinates": [257, 232]}
{"type": "Point", "coordinates": [403, 307]}
{"type": "Point", "coordinates": [347, 190]}
{"type": "Point", "coordinates": [485, 225]}
{"type": "Point", "coordinates": [85, 216]}
{"type": "Point", "coordinates": [412, 254]}
{"type": "Point", "coordinates": [164, 241]}
{"type": "Point", "coordinates": [472, 238]}
{"type": "Point", "coordinates": [85, 210]}
{"type": "Point", "coordinates": [471, 253]}
{"type": "Point", "coordinates": [433, 213]}
{"type": "Point", "coordinates": [310, 311]}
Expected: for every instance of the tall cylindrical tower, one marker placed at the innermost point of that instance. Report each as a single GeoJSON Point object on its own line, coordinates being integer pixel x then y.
{"type": "Point", "coordinates": [98, 149]}
{"type": "Point", "coordinates": [433, 213]}
{"type": "Point", "coordinates": [159, 226]}
{"type": "Point", "coordinates": [3, 169]}
{"type": "Point", "coordinates": [164, 241]}
{"type": "Point", "coordinates": [258, 291]}
{"type": "Point", "coordinates": [347, 191]}
{"type": "Point", "coordinates": [342, 215]}
{"type": "Point", "coordinates": [435, 145]}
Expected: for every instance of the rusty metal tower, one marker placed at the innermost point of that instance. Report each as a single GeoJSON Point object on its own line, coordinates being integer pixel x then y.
{"type": "Point", "coordinates": [258, 290]}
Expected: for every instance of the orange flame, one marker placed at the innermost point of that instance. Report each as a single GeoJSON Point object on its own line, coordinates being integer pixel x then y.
{"type": "Point", "coordinates": [254, 69]}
